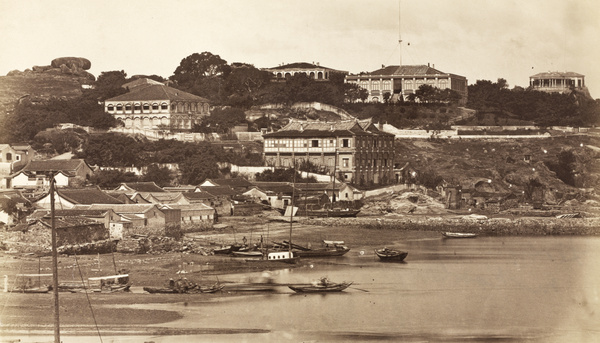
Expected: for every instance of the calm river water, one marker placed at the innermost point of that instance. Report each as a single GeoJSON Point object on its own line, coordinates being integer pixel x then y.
{"type": "Point", "coordinates": [487, 289]}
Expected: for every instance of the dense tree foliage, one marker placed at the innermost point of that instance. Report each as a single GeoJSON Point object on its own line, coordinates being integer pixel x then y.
{"type": "Point", "coordinates": [221, 120]}
{"type": "Point", "coordinates": [283, 175]}
{"type": "Point", "coordinates": [545, 109]}
{"type": "Point", "coordinates": [111, 179]}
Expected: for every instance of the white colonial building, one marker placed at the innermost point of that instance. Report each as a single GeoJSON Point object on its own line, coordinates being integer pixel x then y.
{"type": "Point", "coordinates": [406, 79]}
{"type": "Point", "coordinates": [152, 105]}
{"type": "Point", "coordinates": [557, 82]}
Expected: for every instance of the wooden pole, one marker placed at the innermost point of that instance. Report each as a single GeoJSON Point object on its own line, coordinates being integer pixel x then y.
{"type": "Point", "coordinates": [54, 264]}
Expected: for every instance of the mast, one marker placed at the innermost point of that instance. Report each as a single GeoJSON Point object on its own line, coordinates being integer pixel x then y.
{"type": "Point", "coordinates": [292, 209]}
{"type": "Point", "coordinates": [54, 264]}
{"type": "Point", "coordinates": [400, 28]}
{"type": "Point", "coordinates": [335, 158]}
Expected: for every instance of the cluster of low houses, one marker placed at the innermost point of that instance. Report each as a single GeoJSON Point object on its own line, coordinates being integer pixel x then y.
{"type": "Point", "coordinates": [144, 207]}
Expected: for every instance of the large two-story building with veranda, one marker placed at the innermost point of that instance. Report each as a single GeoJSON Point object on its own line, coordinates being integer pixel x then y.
{"type": "Point", "coordinates": [557, 82]}
{"type": "Point", "coordinates": [313, 70]}
{"type": "Point", "coordinates": [356, 151]}
{"type": "Point", "coordinates": [404, 80]}
{"type": "Point", "coordinates": [152, 105]}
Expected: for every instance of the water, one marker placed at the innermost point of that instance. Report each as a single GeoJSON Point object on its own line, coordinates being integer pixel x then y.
{"type": "Point", "coordinates": [515, 289]}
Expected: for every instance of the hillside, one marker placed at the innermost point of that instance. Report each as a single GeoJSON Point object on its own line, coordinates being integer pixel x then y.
{"type": "Point", "coordinates": [506, 166]}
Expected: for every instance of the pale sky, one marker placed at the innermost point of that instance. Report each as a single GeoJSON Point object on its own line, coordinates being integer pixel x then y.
{"type": "Point", "coordinates": [479, 39]}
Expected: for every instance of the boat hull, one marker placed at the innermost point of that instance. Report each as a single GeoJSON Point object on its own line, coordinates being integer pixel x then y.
{"type": "Point", "coordinates": [459, 235]}
{"type": "Point", "coordinates": [391, 255]}
{"type": "Point", "coordinates": [310, 288]}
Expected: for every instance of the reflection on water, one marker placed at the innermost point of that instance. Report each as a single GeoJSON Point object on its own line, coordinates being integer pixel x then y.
{"type": "Point", "coordinates": [486, 289]}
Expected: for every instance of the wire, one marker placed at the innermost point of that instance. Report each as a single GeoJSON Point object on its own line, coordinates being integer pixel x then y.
{"type": "Point", "coordinates": [88, 297]}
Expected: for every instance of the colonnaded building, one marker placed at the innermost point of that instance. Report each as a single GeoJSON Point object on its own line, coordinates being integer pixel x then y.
{"type": "Point", "coordinates": [356, 151]}
{"type": "Point", "coordinates": [313, 70]}
{"type": "Point", "coordinates": [557, 82]}
{"type": "Point", "coordinates": [406, 79]}
{"type": "Point", "coordinates": [150, 104]}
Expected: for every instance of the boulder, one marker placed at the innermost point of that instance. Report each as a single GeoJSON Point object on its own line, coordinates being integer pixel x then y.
{"type": "Point", "coordinates": [72, 62]}
{"type": "Point", "coordinates": [40, 69]}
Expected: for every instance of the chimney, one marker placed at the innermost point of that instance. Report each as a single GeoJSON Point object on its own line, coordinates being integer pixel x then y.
{"type": "Point", "coordinates": [331, 128]}
{"type": "Point", "coordinates": [301, 127]}
{"type": "Point", "coordinates": [428, 64]}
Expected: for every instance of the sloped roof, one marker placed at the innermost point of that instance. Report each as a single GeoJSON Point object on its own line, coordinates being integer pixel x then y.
{"type": "Point", "coordinates": [65, 222]}
{"type": "Point", "coordinates": [157, 92]}
{"type": "Point", "coordinates": [142, 187]}
{"type": "Point", "coordinates": [234, 183]}
{"type": "Point", "coordinates": [313, 128]}
{"type": "Point", "coordinates": [218, 190]}
{"type": "Point", "coordinates": [141, 82]}
{"type": "Point", "coordinates": [54, 165]}
{"type": "Point", "coordinates": [87, 196]}
{"type": "Point", "coordinates": [275, 187]}
{"type": "Point", "coordinates": [118, 208]}
{"type": "Point", "coordinates": [555, 75]}
{"type": "Point", "coordinates": [163, 196]}
{"type": "Point", "coordinates": [301, 65]}
{"type": "Point", "coordinates": [404, 70]}
{"type": "Point", "coordinates": [191, 207]}
{"type": "Point", "coordinates": [197, 195]}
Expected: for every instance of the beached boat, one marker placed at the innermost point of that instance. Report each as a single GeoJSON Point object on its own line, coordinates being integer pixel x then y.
{"type": "Point", "coordinates": [255, 253]}
{"type": "Point", "coordinates": [323, 286]}
{"type": "Point", "coordinates": [331, 248]}
{"type": "Point", "coordinates": [184, 286]}
{"type": "Point", "coordinates": [448, 234]}
{"type": "Point", "coordinates": [390, 255]}
{"type": "Point", "coordinates": [109, 284]}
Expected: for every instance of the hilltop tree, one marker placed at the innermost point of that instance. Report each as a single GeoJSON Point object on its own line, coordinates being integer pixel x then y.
{"type": "Point", "coordinates": [196, 67]}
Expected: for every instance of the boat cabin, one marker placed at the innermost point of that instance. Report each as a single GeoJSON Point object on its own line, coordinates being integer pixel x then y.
{"type": "Point", "coordinates": [280, 255]}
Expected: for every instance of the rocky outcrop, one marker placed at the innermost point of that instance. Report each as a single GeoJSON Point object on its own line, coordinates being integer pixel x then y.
{"type": "Point", "coordinates": [72, 63]}
{"type": "Point", "coordinates": [76, 66]}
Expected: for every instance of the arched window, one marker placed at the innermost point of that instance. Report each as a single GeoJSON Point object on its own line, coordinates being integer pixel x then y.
{"type": "Point", "coordinates": [364, 84]}
{"type": "Point", "coordinates": [110, 108]}
{"type": "Point", "coordinates": [164, 106]}
{"type": "Point", "coordinates": [387, 85]}
{"type": "Point", "coordinates": [119, 107]}
{"type": "Point", "coordinates": [375, 85]}
{"type": "Point", "coordinates": [146, 107]}
{"type": "Point", "coordinates": [173, 107]}
{"type": "Point", "coordinates": [127, 107]}
{"type": "Point", "coordinates": [320, 75]}
{"type": "Point", "coordinates": [137, 107]}
{"type": "Point", "coordinates": [279, 75]}
{"type": "Point", "coordinates": [312, 74]}
{"type": "Point", "coordinates": [154, 107]}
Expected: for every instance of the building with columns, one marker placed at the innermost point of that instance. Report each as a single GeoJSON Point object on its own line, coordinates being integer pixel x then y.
{"type": "Point", "coordinates": [355, 151]}
{"type": "Point", "coordinates": [150, 104]}
{"type": "Point", "coordinates": [312, 70]}
{"type": "Point", "coordinates": [557, 82]}
{"type": "Point", "coordinates": [406, 79]}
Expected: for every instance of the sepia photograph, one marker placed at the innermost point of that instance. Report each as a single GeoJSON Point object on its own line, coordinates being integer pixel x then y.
{"type": "Point", "coordinates": [299, 171]}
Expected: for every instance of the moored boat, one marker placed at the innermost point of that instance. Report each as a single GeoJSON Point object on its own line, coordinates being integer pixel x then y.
{"type": "Point", "coordinates": [390, 255]}
{"type": "Point", "coordinates": [449, 234]}
{"type": "Point", "coordinates": [323, 286]}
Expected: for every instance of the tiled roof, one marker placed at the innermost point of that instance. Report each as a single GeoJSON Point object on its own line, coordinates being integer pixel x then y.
{"type": "Point", "coordinates": [118, 208]}
{"type": "Point", "coordinates": [65, 222]}
{"type": "Point", "coordinates": [53, 165]}
{"type": "Point", "coordinates": [299, 65]}
{"type": "Point", "coordinates": [191, 207]}
{"type": "Point", "coordinates": [299, 128]}
{"type": "Point", "coordinates": [405, 70]}
{"type": "Point", "coordinates": [163, 196]}
{"type": "Point", "coordinates": [143, 186]}
{"type": "Point", "coordinates": [555, 75]}
{"type": "Point", "coordinates": [141, 82]}
{"type": "Point", "coordinates": [198, 195]}
{"type": "Point", "coordinates": [87, 196]}
{"type": "Point", "coordinates": [157, 93]}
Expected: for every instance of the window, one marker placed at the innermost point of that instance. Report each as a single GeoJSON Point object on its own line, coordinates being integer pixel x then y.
{"type": "Point", "coordinates": [173, 107]}
{"type": "Point", "coordinates": [128, 108]}
{"type": "Point", "coordinates": [345, 162]}
{"type": "Point", "coordinates": [375, 85]}
{"type": "Point", "coordinates": [119, 107]}
{"type": "Point", "coordinates": [374, 163]}
{"type": "Point", "coordinates": [345, 143]}
{"type": "Point", "coordinates": [314, 143]}
{"type": "Point", "coordinates": [146, 107]}
{"type": "Point", "coordinates": [154, 107]}
{"type": "Point", "coordinates": [164, 106]}
{"type": "Point", "coordinates": [137, 107]}
{"type": "Point", "coordinates": [110, 108]}
{"type": "Point", "coordinates": [8, 156]}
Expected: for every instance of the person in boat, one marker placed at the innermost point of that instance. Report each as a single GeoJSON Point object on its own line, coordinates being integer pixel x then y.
{"type": "Point", "coordinates": [324, 281]}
